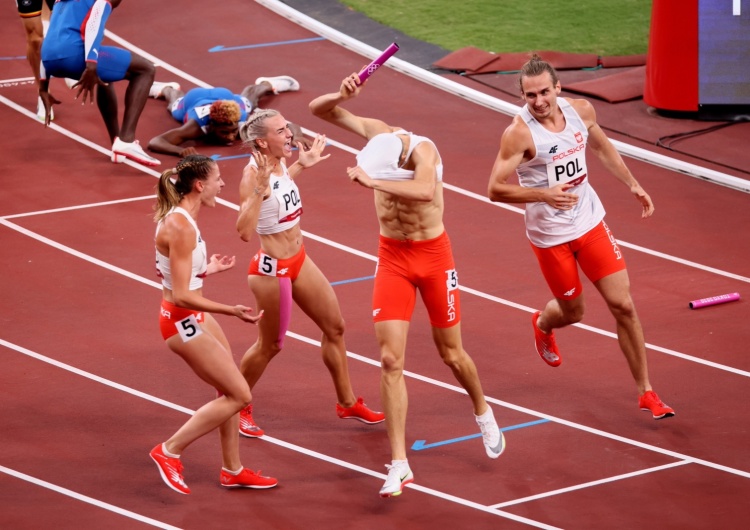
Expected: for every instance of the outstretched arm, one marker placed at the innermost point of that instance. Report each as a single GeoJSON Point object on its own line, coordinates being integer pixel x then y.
{"type": "Point", "coordinates": [170, 142]}
{"type": "Point", "coordinates": [328, 107]}
{"type": "Point", "coordinates": [610, 157]}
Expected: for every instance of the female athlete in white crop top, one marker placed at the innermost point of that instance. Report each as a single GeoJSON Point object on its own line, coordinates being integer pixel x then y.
{"type": "Point", "coordinates": [281, 272]}
{"type": "Point", "coordinates": [188, 327]}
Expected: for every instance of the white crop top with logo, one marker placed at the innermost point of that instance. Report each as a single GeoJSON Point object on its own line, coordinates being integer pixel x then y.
{"type": "Point", "coordinates": [379, 158]}
{"type": "Point", "coordinates": [283, 208]}
{"type": "Point", "coordinates": [200, 258]}
{"type": "Point", "coordinates": [560, 158]}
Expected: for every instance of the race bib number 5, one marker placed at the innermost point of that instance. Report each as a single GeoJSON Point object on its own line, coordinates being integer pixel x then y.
{"type": "Point", "coordinates": [189, 328]}
{"type": "Point", "coordinates": [267, 265]}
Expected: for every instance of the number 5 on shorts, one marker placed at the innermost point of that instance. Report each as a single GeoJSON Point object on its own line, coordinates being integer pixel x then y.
{"type": "Point", "coordinates": [188, 328]}
{"type": "Point", "coordinates": [451, 281]}
{"type": "Point", "coordinates": [268, 265]}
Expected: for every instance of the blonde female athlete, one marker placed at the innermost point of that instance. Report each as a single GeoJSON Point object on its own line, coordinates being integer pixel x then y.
{"type": "Point", "coordinates": [188, 327]}
{"type": "Point", "coordinates": [281, 272]}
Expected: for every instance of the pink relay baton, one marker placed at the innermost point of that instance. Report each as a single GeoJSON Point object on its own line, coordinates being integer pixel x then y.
{"type": "Point", "coordinates": [368, 70]}
{"type": "Point", "coordinates": [721, 299]}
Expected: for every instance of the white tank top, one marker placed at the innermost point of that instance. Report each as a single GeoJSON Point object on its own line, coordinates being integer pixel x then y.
{"type": "Point", "coordinates": [560, 158]}
{"type": "Point", "coordinates": [200, 261]}
{"type": "Point", "coordinates": [379, 158]}
{"type": "Point", "coordinates": [283, 208]}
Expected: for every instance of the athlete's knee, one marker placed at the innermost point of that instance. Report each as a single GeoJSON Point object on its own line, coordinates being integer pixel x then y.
{"type": "Point", "coordinates": [269, 349]}
{"type": "Point", "coordinates": [391, 361]}
{"type": "Point", "coordinates": [623, 308]}
{"type": "Point", "coordinates": [573, 316]}
{"type": "Point", "coordinates": [572, 313]}
{"type": "Point", "coordinates": [34, 41]}
{"type": "Point", "coordinates": [335, 331]}
{"type": "Point", "coordinates": [453, 356]}
{"type": "Point", "coordinates": [141, 67]}
{"type": "Point", "coordinates": [244, 398]}
{"type": "Point", "coordinates": [261, 350]}
{"type": "Point", "coordinates": [240, 394]}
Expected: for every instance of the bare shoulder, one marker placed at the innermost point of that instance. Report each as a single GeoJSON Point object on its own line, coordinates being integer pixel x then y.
{"type": "Point", "coordinates": [585, 110]}
{"type": "Point", "coordinates": [517, 135]}
{"type": "Point", "coordinates": [175, 225]}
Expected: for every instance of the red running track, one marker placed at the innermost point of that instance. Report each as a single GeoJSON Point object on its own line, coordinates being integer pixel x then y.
{"type": "Point", "coordinates": [88, 386]}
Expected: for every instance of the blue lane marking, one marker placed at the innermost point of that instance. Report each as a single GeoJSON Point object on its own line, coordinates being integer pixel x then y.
{"type": "Point", "coordinates": [279, 43]}
{"type": "Point", "coordinates": [363, 278]}
{"type": "Point", "coordinates": [419, 445]}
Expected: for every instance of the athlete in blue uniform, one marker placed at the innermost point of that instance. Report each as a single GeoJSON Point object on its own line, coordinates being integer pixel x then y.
{"type": "Point", "coordinates": [73, 48]}
{"type": "Point", "coordinates": [213, 114]}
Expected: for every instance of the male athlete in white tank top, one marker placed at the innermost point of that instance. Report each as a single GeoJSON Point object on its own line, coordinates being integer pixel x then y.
{"type": "Point", "coordinates": [545, 146]}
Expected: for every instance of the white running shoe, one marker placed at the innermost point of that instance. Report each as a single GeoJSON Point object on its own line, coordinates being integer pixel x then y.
{"type": "Point", "coordinates": [492, 436]}
{"type": "Point", "coordinates": [157, 89]}
{"type": "Point", "coordinates": [133, 150]}
{"type": "Point", "coordinates": [70, 82]}
{"type": "Point", "coordinates": [399, 475]}
{"type": "Point", "coordinates": [41, 113]}
{"type": "Point", "coordinates": [282, 83]}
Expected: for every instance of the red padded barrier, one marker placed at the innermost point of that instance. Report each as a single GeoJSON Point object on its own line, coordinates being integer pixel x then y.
{"type": "Point", "coordinates": [672, 59]}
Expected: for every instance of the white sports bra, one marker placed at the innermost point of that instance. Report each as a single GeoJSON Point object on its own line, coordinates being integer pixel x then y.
{"type": "Point", "coordinates": [200, 261]}
{"type": "Point", "coordinates": [283, 208]}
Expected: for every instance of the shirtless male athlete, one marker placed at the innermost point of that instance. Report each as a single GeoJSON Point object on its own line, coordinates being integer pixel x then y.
{"type": "Point", "coordinates": [405, 171]}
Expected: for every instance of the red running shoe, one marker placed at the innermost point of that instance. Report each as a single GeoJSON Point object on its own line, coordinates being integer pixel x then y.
{"type": "Point", "coordinates": [359, 411]}
{"type": "Point", "coordinates": [650, 401]}
{"type": "Point", "coordinates": [545, 343]}
{"type": "Point", "coordinates": [247, 425]}
{"type": "Point", "coordinates": [246, 479]}
{"type": "Point", "coordinates": [170, 470]}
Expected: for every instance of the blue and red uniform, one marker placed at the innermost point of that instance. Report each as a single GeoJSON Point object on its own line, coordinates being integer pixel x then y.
{"type": "Point", "coordinates": [196, 104]}
{"type": "Point", "coordinates": [74, 37]}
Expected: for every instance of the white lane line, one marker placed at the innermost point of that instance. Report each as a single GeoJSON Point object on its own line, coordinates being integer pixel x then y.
{"type": "Point", "coordinates": [79, 207]}
{"type": "Point", "coordinates": [81, 255]}
{"type": "Point", "coordinates": [589, 484]}
{"type": "Point", "coordinates": [86, 499]}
